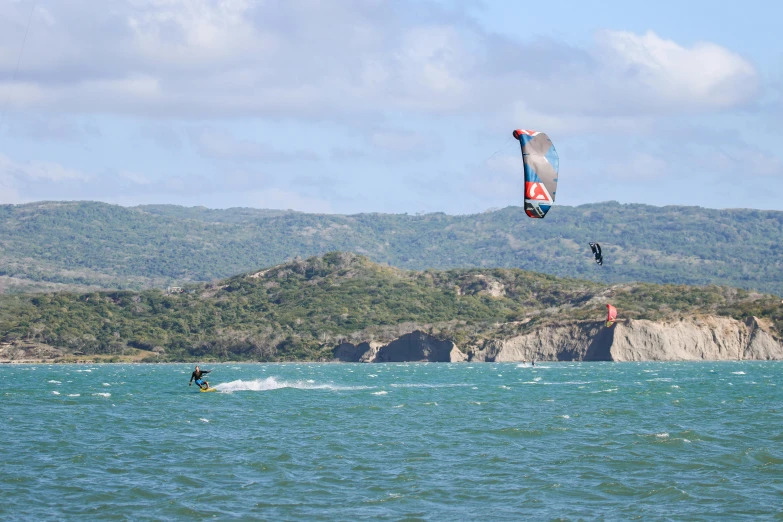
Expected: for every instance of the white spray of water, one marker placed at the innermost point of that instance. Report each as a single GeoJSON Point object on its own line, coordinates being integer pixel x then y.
{"type": "Point", "coordinates": [271, 383]}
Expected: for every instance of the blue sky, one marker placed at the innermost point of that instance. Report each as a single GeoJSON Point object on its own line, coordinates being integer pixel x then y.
{"type": "Point", "coordinates": [389, 106]}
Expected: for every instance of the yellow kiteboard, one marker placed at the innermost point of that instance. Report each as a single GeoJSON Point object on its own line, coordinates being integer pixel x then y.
{"type": "Point", "coordinates": [207, 390]}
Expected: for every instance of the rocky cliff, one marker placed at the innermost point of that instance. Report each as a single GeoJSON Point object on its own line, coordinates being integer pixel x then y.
{"type": "Point", "coordinates": [22, 352]}
{"type": "Point", "coordinates": [709, 338]}
{"type": "Point", "coordinates": [580, 341]}
{"type": "Point", "coordinates": [705, 338]}
{"type": "Point", "coordinates": [694, 339]}
{"type": "Point", "coordinates": [362, 352]}
{"type": "Point", "coordinates": [412, 347]}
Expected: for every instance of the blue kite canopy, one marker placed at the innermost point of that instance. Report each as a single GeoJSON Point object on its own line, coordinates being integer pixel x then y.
{"type": "Point", "coordinates": [541, 164]}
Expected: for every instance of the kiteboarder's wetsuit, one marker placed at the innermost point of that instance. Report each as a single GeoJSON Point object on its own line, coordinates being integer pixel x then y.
{"type": "Point", "coordinates": [197, 375]}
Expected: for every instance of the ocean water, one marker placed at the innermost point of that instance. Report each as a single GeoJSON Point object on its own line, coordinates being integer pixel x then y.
{"type": "Point", "coordinates": [569, 441]}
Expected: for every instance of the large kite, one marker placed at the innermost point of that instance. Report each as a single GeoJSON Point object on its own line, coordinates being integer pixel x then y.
{"type": "Point", "coordinates": [541, 164]}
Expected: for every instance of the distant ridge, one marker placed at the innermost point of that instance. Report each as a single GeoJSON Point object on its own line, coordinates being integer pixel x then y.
{"type": "Point", "coordinates": [51, 245]}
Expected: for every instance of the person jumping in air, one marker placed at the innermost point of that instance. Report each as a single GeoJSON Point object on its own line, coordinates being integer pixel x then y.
{"type": "Point", "coordinates": [197, 374]}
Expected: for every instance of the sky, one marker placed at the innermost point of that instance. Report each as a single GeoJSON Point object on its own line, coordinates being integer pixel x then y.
{"type": "Point", "coordinates": [393, 106]}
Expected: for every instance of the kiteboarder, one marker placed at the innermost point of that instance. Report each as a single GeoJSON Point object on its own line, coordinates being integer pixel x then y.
{"type": "Point", "coordinates": [599, 258]}
{"type": "Point", "coordinates": [197, 374]}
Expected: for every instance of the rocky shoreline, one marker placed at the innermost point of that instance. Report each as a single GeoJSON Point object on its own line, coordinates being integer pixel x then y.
{"type": "Point", "coordinates": [25, 352]}
{"type": "Point", "coordinates": [709, 338]}
{"type": "Point", "coordinates": [706, 338]}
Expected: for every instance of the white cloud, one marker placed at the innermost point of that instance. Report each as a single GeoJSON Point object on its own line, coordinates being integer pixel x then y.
{"type": "Point", "coordinates": [381, 80]}
{"type": "Point", "coordinates": [8, 192]}
{"type": "Point", "coordinates": [16, 176]}
{"type": "Point", "coordinates": [29, 181]}
{"type": "Point", "coordinates": [136, 178]}
{"type": "Point", "coordinates": [705, 76]}
{"type": "Point", "coordinates": [38, 171]}
{"type": "Point", "coordinates": [199, 58]}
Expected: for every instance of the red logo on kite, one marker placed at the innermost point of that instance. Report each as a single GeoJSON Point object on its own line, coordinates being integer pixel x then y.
{"type": "Point", "coordinates": [536, 191]}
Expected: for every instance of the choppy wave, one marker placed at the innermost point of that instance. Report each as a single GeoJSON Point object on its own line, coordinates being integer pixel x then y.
{"type": "Point", "coordinates": [304, 453]}
{"type": "Point", "coordinates": [419, 385]}
{"type": "Point", "coordinates": [271, 383]}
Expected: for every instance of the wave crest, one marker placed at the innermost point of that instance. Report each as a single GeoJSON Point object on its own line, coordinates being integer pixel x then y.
{"type": "Point", "coordinates": [271, 383]}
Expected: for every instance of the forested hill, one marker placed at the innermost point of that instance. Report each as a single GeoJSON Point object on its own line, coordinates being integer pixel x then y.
{"type": "Point", "coordinates": [300, 310]}
{"type": "Point", "coordinates": [47, 244]}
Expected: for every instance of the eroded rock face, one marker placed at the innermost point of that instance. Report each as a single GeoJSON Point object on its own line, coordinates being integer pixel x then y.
{"type": "Point", "coordinates": [457, 355]}
{"type": "Point", "coordinates": [761, 345]}
{"type": "Point", "coordinates": [709, 338]}
{"type": "Point", "coordinates": [714, 339]}
{"type": "Point", "coordinates": [585, 341]}
{"type": "Point", "coordinates": [413, 347]}
{"type": "Point", "coordinates": [21, 352]}
{"type": "Point", "coordinates": [697, 339]}
{"type": "Point", "coordinates": [362, 352]}
{"type": "Point", "coordinates": [416, 346]}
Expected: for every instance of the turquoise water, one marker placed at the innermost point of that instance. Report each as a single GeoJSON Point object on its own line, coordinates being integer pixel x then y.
{"type": "Point", "coordinates": [572, 441]}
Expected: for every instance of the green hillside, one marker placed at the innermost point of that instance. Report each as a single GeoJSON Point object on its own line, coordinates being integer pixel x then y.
{"type": "Point", "coordinates": [302, 309]}
{"type": "Point", "coordinates": [86, 243]}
